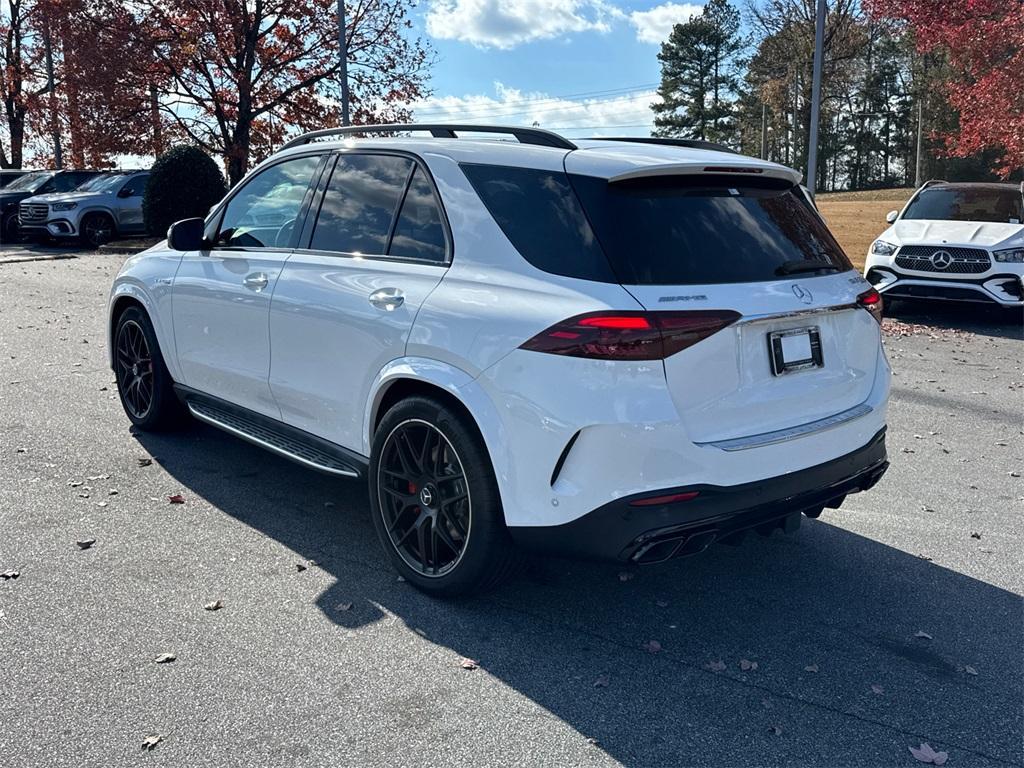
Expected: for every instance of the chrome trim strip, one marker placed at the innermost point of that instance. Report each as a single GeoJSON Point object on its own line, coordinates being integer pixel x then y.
{"type": "Point", "coordinates": [790, 433]}
{"type": "Point", "coordinates": [268, 446]}
{"type": "Point", "coordinates": [796, 313]}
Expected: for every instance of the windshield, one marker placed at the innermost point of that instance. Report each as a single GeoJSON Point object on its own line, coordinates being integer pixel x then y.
{"type": "Point", "coordinates": [694, 229]}
{"type": "Point", "coordinates": [994, 204]}
{"type": "Point", "coordinates": [103, 183]}
{"type": "Point", "coordinates": [29, 182]}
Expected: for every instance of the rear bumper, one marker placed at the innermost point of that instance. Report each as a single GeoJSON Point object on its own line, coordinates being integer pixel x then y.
{"type": "Point", "coordinates": [644, 534]}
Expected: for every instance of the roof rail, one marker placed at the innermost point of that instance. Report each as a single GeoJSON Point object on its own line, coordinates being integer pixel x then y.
{"type": "Point", "coordinates": [933, 182]}
{"type": "Point", "coordinates": [537, 136]}
{"type": "Point", "coordinates": [688, 143]}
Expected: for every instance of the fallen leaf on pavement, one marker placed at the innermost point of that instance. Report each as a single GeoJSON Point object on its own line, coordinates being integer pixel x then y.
{"type": "Point", "coordinates": [176, 498]}
{"type": "Point", "coordinates": [775, 730]}
{"type": "Point", "coordinates": [928, 755]}
{"type": "Point", "coordinates": [747, 666]}
{"type": "Point", "coordinates": [601, 682]}
{"type": "Point", "coordinates": [975, 535]}
{"type": "Point", "coordinates": [10, 575]}
{"type": "Point", "coordinates": [661, 603]}
{"type": "Point", "coordinates": [145, 462]}
{"type": "Point", "coordinates": [300, 567]}
{"type": "Point", "coordinates": [75, 483]}
{"type": "Point", "coordinates": [652, 646]}
{"type": "Point", "coordinates": [922, 635]}
{"type": "Point", "coordinates": [216, 605]}
{"type": "Point", "coordinates": [344, 606]}
{"type": "Point", "coordinates": [149, 743]}
{"type": "Point", "coordinates": [811, 668]}
{"type": "Point", "coordinates": [165, 658]}
{"type": "Point", "coordinates": [877, 689]}
{"type": "Point", "coordinates": [469, 664]}
{"type": "Point", "coordinates": [626, 576]}
{"type": "Point", "coordinates": [85, 543]}
{"type": "Point", "coordinates": [98, 477]}
{"type": "Point", "coordinates": [716, 666]}
{"type": "Point", "coordinates": [970, 670]}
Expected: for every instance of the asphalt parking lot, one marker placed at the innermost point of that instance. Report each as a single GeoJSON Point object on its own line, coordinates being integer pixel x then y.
{"type": "Point", "coordinates": [894, 621]}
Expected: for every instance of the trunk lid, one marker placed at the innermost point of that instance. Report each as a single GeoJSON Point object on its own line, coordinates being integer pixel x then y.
{"type": "Point", "coordinates": [802, 350]}
{"type": "Point", "coordinates": [725, 387]}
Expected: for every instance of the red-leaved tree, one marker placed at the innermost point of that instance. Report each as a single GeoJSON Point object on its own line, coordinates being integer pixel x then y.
{"type": "Point", "coordinates": [239, 72]}
{"type": "Point", "coordinates": [984, 40]}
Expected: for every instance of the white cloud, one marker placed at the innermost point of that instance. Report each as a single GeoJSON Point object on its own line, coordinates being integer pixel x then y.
{"type": "Point", "coordinates": [506, 24]}
{"type": "Point", "coordinates": [655, 25]}
{"type": "Point", "coordinates": [627, 113]}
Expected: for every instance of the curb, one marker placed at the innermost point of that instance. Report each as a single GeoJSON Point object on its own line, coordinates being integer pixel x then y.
{"type": "Point", "coordinates": [130, 250]}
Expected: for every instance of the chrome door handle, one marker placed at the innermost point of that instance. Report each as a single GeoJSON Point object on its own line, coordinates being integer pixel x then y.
{"type": "Point", "coordinates": [388, 299]}
{"type": "Point", "coordinates": [257, 281]}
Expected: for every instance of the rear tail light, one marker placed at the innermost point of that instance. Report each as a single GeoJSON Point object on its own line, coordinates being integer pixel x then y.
{"type": "Point", "coordinates": [871, 300]}
{"type": "Point", "coordinates": [630, 335]}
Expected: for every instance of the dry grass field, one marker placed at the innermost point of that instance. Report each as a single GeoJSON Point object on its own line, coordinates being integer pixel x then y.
{"type": "Point", "coordinates": [857, 218]}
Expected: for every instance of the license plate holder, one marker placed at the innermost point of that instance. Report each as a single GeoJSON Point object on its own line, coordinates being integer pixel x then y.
{"type": "Point", "coordinates": [796, 349]}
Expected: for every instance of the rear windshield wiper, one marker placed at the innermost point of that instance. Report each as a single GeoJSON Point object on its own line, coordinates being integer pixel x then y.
{"type": "Point", "coordinates": [794, 267]}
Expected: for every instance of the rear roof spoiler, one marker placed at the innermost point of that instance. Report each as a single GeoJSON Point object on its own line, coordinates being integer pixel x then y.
{"type": "Point", "coordinates": [710, 169]}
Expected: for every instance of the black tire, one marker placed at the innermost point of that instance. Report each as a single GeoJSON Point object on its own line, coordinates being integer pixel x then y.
{"type": "Point", "coordinates": [11, 233]}
{"type": "Point", "coordinates": [487, 555]}
{"type": "Point", "coordinates": [97, 229]}
{"type": "Point", "coordinates": [142, 375]}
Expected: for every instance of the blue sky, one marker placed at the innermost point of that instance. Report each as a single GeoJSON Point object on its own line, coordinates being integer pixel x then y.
{"type": "Point", "coordinates": [580, 67]}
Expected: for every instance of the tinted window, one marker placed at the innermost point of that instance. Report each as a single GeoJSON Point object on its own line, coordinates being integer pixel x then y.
{"type": "Point", "coordinates": [359, 204]}
{"type": "Point", "coordinates": [542, 218]}
{"type": "Point", "coordinates": [419, 233]}
{"type": "Point", "coordinates": [30, 181]}
{"type": "Point", "coordinates": [679, 230]}
{"type": "Point", "coordinates": [101, 183]}
{"type": "Point", "coordinates": [968, 204]}
{"type": "Point", "coordinates": [263, 212]}
{"type": "Point", "coordinates": [65, 182]}
{"type": "Point", "coordinates": [136, 185]}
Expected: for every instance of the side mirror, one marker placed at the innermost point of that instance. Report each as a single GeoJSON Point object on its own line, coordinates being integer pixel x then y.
{"type": "Point", "coordinates": [126, 192]}
{"type": "Point", "coordinates": [186, 235]}
{"type": "Point", "coordinates": [891, 216]}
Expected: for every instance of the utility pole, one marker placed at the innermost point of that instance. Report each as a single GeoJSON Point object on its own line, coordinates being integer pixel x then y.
{"type": "Point", "coordinates": [343, 62]}
{"type": "Point", "coordinates": [819, 55]}
{"type": "Point", "coordinates": [51, 86]}
{"type": "Point", "coordinates": [764, 131]}
{"type": "Point", "coordinates": [920, 126]}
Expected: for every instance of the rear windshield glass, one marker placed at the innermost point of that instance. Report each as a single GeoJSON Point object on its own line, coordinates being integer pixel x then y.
{"type": "Point", "coordinates": [676, 230]}
{"type": "Point", "coordinates": [968, 204]}
{"type": "Point", "coordinates": [541, 216]}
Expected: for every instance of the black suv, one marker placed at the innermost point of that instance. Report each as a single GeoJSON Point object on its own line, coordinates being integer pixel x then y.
{"type": "Point", "coordinates": [34, 183]}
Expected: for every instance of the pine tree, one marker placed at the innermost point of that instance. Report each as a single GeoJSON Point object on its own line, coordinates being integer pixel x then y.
{"type": "Point", "coordinates": [698, 75]}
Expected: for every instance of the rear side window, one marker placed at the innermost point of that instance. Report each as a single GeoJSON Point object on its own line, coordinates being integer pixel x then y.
{"type": "Point", "coordinates": [541, 216]}
{"type": "Point", "coordinates": [419, 233]}
{"type": "Point", "coordinates": [692, 230]}
{"type": "Point", "coordinates": [360, 203]}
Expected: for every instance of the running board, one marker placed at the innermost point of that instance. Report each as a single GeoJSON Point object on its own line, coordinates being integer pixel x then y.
{"type": "Point", "coordinates": [307, 450]}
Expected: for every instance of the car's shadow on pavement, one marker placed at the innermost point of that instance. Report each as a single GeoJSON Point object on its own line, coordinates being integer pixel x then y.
{"type": "Point", "coordinates": [981, 319]}
{"type": "Point", "coordinates": [832, 620]}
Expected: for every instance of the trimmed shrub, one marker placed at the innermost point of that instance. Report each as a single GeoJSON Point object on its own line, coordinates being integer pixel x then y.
{"type": "Point", "coordinates": [185, 183]}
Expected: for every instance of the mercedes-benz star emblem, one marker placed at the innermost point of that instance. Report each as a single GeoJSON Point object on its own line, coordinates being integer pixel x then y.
{"type": "Point", "coordinates": [802, 293]}
{"type": "Point", "coordinates": [426, 497]}
{"type": "Point", "coordinates": [941, 259]}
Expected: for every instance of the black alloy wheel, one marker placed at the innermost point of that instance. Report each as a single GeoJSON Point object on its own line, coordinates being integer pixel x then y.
{"type": "Point", "coordinates": [424, 498]}
{"type": "Point", "coordinates": [97, 229]}
{"type": "Point", "coordinates": [134, 369]}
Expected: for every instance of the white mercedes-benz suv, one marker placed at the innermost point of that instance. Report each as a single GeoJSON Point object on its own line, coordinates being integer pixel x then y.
{"type": "Point", "coordinates": [626, 349]}
{"type": "Point", "coordinates": [955, 242]}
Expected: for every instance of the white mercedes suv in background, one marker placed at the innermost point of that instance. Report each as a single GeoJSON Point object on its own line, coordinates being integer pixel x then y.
{"type": "Point", "coordinates": [955, 242]}
{"type": "Point", "coordinates": [626, 349]}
